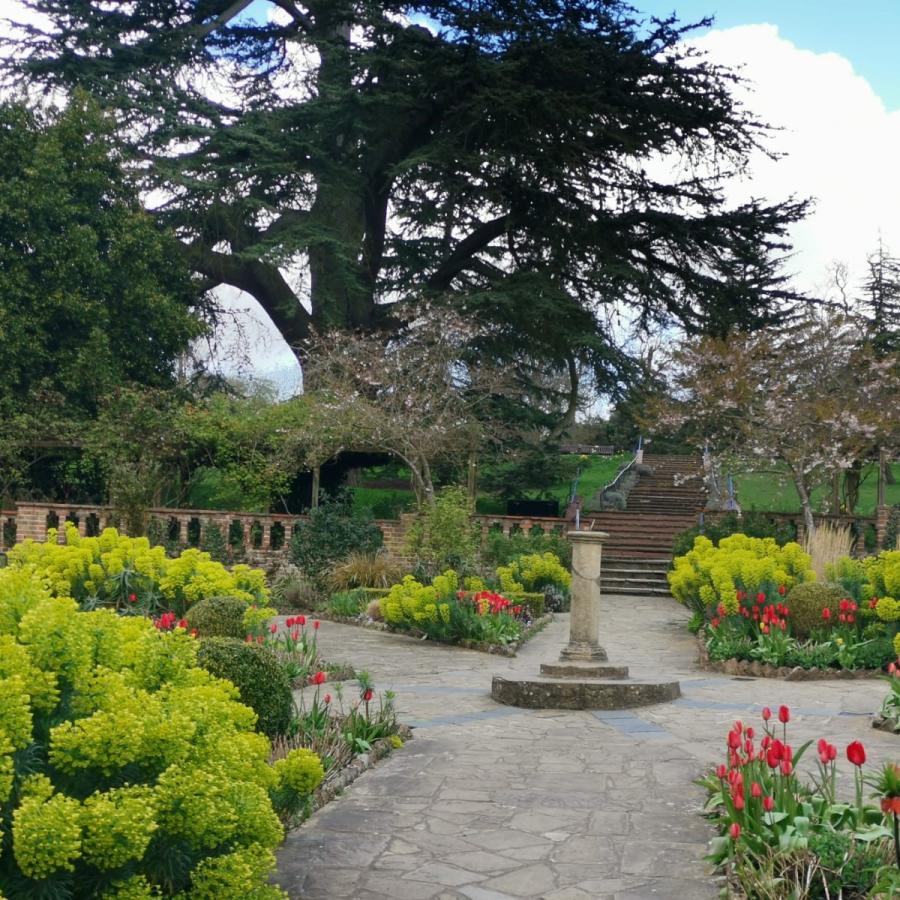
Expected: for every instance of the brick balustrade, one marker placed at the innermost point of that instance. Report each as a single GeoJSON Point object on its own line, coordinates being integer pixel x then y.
{"type": "Point", "coordinates": [265, 538]}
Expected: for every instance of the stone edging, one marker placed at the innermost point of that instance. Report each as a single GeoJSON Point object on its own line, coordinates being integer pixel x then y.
{"type": "Point", "coordinates": [757, 669]}
{"type": "Point", "coordinates": [883, 723]}
{"type": "Point", "coordinates": [480, 646]}
{"type": "Point", "coordinates": [335, 784]}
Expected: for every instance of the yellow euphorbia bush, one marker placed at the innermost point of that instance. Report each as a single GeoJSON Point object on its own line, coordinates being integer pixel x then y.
{"type": "Point", "coordinates": [882, 575]}
{"type": "Point", "coordinates": [106, 569]}
{"type": "Point", "coordinates": [708, 575]}
{"type": "Point", "coordinates": [531, 572]}
{"type": "Point", "coordinates": [413, 603]}
{"type": "Point", "coordinates": [124, 763]}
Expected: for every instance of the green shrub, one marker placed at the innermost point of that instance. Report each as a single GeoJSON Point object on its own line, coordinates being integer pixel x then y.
{"type": "Point", "coordinates": [348, 604]}
{"type": "Point", "coordinates": [501, 550]}
{"type": "Point", "coordinates": [443, 535]}
{"type": "Point", "coordinates": [256, 673]}
{"type": "Point", "coordinates": [292, 590]}
{"type": "Point", "coordinates": [331, 533]}
{"type": "Point", "coordinates": [214, 543]}
{"type": "Point", "coordinates": [806, 602]}
{"type": "Point", "coordinates": [753, 524]}
{"type": "Point", "coordinates": [218, 617]}
{"type": "Point", "coordinates": [126, 770]}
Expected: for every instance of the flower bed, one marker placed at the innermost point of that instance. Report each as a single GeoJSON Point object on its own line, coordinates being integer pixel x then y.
{"type": "Point", "coordinates": [129, 759]}
{"type": "Point", "coordinates": [759, 611]}
{"type": "Point", "coordinates": [125, 766]}
{"type": "Point", "coordinates": [780, 836]}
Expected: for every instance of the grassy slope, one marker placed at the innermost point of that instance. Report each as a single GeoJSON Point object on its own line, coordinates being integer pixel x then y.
{"type": "Point", "coordinates": [773, 494]}
{"type": "Point", "coordinates": [600, 470]}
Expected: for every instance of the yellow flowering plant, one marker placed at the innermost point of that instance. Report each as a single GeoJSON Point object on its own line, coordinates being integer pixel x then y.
{"type": "Point", "coordinates": [129, 574]}
{"type": "Point", "coordinates": [708, 575]}
{"type": "Point", "coordinates": [126, 766]}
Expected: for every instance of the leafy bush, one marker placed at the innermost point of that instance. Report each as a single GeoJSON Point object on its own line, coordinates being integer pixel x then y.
{"type": "Point", "coordinates": [363, 570]}
{"type": "Point", "coordinates": [127, 573]}
{"type": "Point", "coordinates": [347, 604]}
{"type": "Point", "coordinates": [882, 575]}
{"type": "Point", "coordinates": [291, 589]}
{"type": "Point", "coordinates": [126, 770]}
{"type": "Point", "coordinates": [256, 673]}
{"type": "Point", "coordinates": [752, 524]}
{"type": "Point", "coordinates": [500, 550]}
{"type": "Point", "coordinates": [708, 575]}
{"type": "Point", "coordinates": [534, 572]}
{"type": "Point", "coordinates": [331, 533]}
{"type": "Point", "coordinates": [442, 615]}
{"type": "Point", "coordinates": [218, 617]}
{"type": "Point", "coordinates": [443, 535]}
{"type": "Point", "coordinates": [806, 603]}
{"type": "Point", "coordinates": [214, 543]}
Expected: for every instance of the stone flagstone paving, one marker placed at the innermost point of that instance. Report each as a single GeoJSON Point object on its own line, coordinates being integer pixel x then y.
{"type": "Point", "coordinates": [490, 802]}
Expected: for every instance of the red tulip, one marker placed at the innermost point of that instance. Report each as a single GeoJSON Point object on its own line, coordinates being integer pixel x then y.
{"type": "Point", "coordinates": [784, 715]}
{"type": "Point", "coordinates": [273, 628]}
{"type": "Point", "coordinates": [300, 620]}
{"type": "Point", "coordinates": [755, 789]}
{"type": "Point", "coordinates": [735, 831]}
{"type": "Point", "coordinates": [132, 598]}
{"type": "Point", "coordinates": [768, 804]}
{"type": "Point", "coordinates": [786, 767]}
{"type": "Point", "coordinates": [766, 713]}
{"type": "Point", "coordinates": [856, 753]}
{"type": "Point", "coordinates": [749, 732]}
{"type": "Point", "coordinates": [738, 801]}
{"type": "Point", "coordinates": [319, 678]}
{"type": "Point", "coordinates": [782, 589]}
{"type": "Point", "coordinates": [734, 740]}
{"type": "Point", "coordinates": [326, 699]}
{"type": "Point", "coordinates": [721, 772]}
{"type": "Point", "coordinates": [826, 614]}
{"type": "Point", "coordinates": [760, 597]}
{"type": "Point", "coordinates": [368, 695]}
{"type": "Point", "coordinates": [316, 624]}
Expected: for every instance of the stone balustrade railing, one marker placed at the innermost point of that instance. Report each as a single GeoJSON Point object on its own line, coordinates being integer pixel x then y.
{"type": "Point", "coordinates": [264, 537]}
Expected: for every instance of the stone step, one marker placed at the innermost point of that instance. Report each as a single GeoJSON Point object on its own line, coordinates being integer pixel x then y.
{"type": "Point", "coordinates": [545, 692]}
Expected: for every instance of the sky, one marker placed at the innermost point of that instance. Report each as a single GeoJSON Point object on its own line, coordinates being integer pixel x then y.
{"type": "Point", "coordinates": [824, 72]}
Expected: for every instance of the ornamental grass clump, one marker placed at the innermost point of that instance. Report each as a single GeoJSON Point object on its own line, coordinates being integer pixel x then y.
{"type": "Point", "coordinates": [130, 575]}
{"type": "Point", "coordinates": [125, 769]}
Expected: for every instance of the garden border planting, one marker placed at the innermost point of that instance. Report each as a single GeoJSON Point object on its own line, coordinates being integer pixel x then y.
{"type": "Point", "coordinates": [510, 649]}
{"type": "Point", "coordinates": [757, 669]}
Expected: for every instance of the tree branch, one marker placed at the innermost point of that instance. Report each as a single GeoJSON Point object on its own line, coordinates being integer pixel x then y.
{"type": "Point", "coordinates": [467, 248]}
{"type": "Point", "coordinates": [262, 281]}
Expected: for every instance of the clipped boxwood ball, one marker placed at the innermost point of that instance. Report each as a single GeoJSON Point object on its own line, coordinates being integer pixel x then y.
{"type": "Point", "coordinates": [806, 602]}
{"type": "Point", "coordinates": [257, 674]}
{"type": "Point", "coordinates": [218, 617]}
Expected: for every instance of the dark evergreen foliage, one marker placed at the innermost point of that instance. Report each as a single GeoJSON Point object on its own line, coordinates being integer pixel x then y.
{"type": "Point", "coordinates": [505, 160]}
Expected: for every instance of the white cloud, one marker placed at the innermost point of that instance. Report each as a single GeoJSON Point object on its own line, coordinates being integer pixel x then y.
{"type": "Point", "coordinates": [842, 146]}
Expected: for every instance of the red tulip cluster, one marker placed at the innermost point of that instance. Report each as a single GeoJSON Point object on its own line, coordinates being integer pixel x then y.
{"type": "Point", "coordinates": [761, 779]}
{"type": "Point", "coordinates": [491, 603]}
{"type": "Point", "coordinates": [847, 611]}
{"type": "Point", "coordinates": [291, 621]}
{"type": "Point", "coordinates": [169, 622]}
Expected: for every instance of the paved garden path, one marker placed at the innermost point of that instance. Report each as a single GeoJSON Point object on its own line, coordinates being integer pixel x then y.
{"type": "Point", "coordinates": [491, 802]}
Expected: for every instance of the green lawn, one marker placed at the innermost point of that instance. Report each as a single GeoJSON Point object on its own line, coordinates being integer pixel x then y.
{"type": "Point", "coordinates": [775, 493]}
{"type": "Point", "coordinates": [598, 471]}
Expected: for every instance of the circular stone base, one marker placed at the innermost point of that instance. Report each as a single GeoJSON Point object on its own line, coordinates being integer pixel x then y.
{"type": "Point", "coordinates": [583, 670]}
{"type": "Point", "coordinates": [548, 693]}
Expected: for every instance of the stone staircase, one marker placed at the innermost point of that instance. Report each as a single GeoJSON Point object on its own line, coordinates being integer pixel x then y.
{"type": "Point", "coordinates": [637, 554]}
